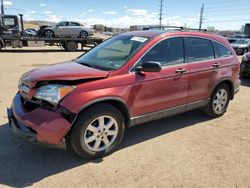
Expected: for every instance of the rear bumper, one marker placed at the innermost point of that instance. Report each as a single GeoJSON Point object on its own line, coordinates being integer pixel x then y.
{"type": "Point", "coordinates": [39, 125]}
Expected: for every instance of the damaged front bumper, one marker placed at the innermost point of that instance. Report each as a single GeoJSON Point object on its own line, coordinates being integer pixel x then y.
{"type": "Point", "coordinates": [39, 125]}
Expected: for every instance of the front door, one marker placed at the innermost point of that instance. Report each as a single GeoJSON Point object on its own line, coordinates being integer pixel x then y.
{"type": "Point", "coordinates": [154, 93]}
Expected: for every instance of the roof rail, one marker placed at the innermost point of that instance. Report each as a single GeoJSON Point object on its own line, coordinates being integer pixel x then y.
{"type": "Point", "coordinates": [180, 28]}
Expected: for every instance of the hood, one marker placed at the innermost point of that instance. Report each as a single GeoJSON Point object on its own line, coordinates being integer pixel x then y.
{"type": "Point", "coordinates": [67, 71]}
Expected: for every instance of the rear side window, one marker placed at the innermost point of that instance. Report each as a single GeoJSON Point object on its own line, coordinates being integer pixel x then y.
{"type": "Point", "coordinates": [167, 52]}
{"type": "Point", "coordinates": [221, 51]}
{"type": "Point", "coordinates": [74, 24]}
{"type": "Point", "coordinates": [199, 49]}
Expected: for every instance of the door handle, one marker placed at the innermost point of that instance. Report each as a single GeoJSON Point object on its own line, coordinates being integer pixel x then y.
{"type": "Point", "coordinates": [180, 71]}
{"type": "Point", "coordinates": [216, 65]}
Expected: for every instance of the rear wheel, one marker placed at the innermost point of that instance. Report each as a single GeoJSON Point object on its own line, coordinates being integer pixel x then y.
{"type": "Point", "coordinates": [83, 34]}
{"type": "Point", "coordinates": [219, 101]}
{"type": "Point", "coordinates": [97, 132]}
{"type": "Point", "coordinates": [71, 46]}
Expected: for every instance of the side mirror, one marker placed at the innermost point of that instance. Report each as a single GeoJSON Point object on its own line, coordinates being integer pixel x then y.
{"type": "Point", "coordinates": [149, 66]}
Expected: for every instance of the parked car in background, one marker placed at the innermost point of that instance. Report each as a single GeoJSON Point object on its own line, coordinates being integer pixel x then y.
{"type": "Point", "coordinates": [241, 46]}
{"type": "Point", "coordinates": [129, 79]}
{"type": "Point", "coordinates": [245, 65]}
{"type": "Point", "coordinates": [68, 29]}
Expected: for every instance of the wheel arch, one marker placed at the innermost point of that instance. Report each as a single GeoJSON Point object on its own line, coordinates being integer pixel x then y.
{"type": "Point", "coordinates": [118, 103]}
{"type": "Point", "coordinates": [229, 82]}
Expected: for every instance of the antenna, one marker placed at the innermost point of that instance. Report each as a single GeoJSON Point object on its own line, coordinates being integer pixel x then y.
{"type": "Point", "coordinates": [160, 14]}
{"type": "Point", "coordinates": [201, 17]}
{"type": "Point", "coordinates": [2, 7]}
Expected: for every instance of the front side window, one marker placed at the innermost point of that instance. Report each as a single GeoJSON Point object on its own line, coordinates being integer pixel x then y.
{"type": "Point", "coordinates": [199, 49]}
{"type": "Point", "coordinates": [167, 52]}
{"type": "Point", "coordinates": [113, 53]}
{"type": "Point", "coordinates": [221, 51]}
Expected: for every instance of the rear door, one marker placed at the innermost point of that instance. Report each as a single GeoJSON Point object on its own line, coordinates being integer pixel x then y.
{"type": "Point", "coordinates": [74, 29]}
{"type": "Point", "coordinates": [155, 92]}
{"type": "Point", "coordinates": [62, 29]}
{"type": "Point", "coordinates": [204, 68]}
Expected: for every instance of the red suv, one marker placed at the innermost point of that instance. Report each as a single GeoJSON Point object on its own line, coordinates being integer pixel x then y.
{"type": "Point", "coordinates": [127, 80]}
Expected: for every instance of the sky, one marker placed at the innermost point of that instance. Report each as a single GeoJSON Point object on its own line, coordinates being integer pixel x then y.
{"type": "Point", "coordinates": [221, 14]}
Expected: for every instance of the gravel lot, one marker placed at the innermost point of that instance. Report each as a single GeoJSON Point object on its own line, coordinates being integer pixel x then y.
{"type": "Point", "coordinates": [187, 150]}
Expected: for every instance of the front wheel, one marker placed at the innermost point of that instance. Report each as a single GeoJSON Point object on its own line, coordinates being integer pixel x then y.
{"type": "Point", "coordinates": [97, 132]}
{"type": "Point", "coordinates": [219, 101]}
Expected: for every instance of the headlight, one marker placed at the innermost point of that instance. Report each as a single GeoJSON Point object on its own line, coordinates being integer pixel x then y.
{"type": "Point", "coordinates": [53, 93]}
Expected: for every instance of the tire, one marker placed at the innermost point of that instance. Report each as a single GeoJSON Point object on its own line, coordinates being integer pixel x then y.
{"type": "Point", "coordinates": [218, 106]}
{"type": "Point", "coordinates": [83, 34]}
{"type": "Point", "coordinates": [242, 71]}
{"type": "Point", "coordinates": [71, 46]}
{"type": "Point", "coordinates": [49, 33]}
{"type": "Point", "coordinates": [87, 131]}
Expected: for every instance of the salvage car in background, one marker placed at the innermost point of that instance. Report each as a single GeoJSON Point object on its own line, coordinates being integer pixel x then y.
{"type": "Point", "coordinates": [241, 46]}
{"type": "Point", "coordinates": [68, 29]}
{"type": "Point", "coordinates": [245, 65]}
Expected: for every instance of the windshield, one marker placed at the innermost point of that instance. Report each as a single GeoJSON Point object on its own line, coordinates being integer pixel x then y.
{"type": "Point", "coordinates": [113, 53]}
{"type": "Point", "coordinates": [241, 42]}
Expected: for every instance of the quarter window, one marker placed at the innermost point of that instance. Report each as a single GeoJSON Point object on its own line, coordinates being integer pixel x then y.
{"type": "Point", "coordinates": [200, 49]}
{"type": "Point", "coordinates": [167, 52]}
{"type": "Point", "coordinates": [221, 51]}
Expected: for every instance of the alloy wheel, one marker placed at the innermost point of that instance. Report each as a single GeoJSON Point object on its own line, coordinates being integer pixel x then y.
{"type": "Point", "coordinates": [49, 34]}
{"type": "Point", "coordinates": [220, 101]}
{"type": "Point", "coordinates": [101, 133]}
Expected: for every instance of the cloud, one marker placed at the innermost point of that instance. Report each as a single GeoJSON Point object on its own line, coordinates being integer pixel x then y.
{"type": "Point", "coordinates": [47, 12]}
{"type": "Point", "coordinates": [137, 12]}
{"type": "Point", "coordinates": [90, 10]}
{"type": "Point", "coordinates": [53, 18]}
{"type": "Point", "coordinates": [7, 3]}
{"type": "Point", "coordinates": [31, 12]}
{"type": "Point", "coordinates": [109, 12]}
{"type": "Point", "coordinates": [43, 5]}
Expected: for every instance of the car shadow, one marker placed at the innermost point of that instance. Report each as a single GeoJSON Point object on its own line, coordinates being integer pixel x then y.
{"type": "Point", "coordinates": [23, 164]}
{"type": "Point", "coordinates": [245, 82]}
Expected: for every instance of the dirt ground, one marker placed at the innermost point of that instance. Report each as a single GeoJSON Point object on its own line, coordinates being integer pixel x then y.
{"type": "Point", "coordinates": [187, 150]}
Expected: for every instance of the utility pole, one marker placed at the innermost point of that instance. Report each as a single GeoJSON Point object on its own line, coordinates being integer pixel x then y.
{"type": "Point", "coordinates": [2, 8]}
{"type": "Point", "coordinates": [201, 17]}
{"type": "Point", "coordinates": [160, 14]}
